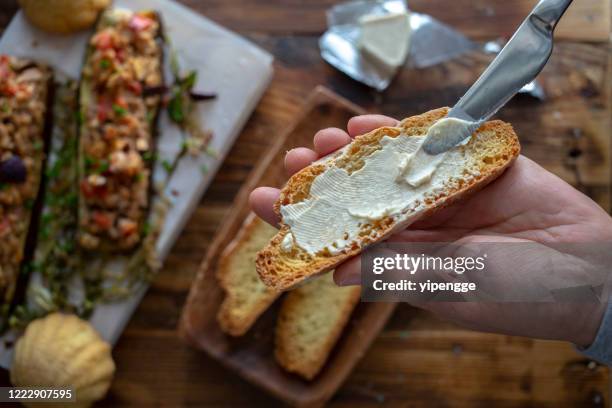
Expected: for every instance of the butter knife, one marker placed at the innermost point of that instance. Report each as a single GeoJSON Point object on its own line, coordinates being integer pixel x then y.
{"type": "Point", "coordinates": [517, 64]}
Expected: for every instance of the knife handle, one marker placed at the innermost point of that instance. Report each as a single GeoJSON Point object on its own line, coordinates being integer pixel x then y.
{"type": "Point", "coordinates": [550, 11]}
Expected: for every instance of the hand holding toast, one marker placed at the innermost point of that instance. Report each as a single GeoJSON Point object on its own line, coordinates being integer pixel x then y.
{"type": "Point", "coordinates": [527, 203]}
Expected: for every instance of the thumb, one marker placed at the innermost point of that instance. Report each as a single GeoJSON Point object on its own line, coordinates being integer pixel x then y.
{"type": "Point", "coordinates": [349, 272]}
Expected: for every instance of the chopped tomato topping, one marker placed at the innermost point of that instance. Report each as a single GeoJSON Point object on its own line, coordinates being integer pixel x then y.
{"type": "Point", "coordinates": [5, 68]}
{"type": "Point", "coordinates": [104, 108]}
{"type": "Point", "coordinates": [120, 54]}
{"type": "Point", "coordinates": [140, 23]}
{"type": "Point", "coordinates": [127, 227]}
{"type": "Point", "coordinates": [103, 40]}
{"type": "Point", "coordinates": [90, 191]}
{"type": "Point", "coordinates": [101, 220]}
{"type": "Point", "coordinates": [120, 101]}
{"type": "Point", "coordinates": [135, 87]}
{"type": "Point", "coordinates": [7, 76]}
{"type": "Point", "coordinates": [86, 189]}
{"type": "Point", "coordinates": [8, 89]}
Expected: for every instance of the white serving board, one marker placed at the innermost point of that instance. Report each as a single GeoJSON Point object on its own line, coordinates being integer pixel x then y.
{"type": "Point", "coordinates": [236, 70]}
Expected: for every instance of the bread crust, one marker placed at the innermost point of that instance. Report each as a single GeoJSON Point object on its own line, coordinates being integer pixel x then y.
{"type": "Point", "coordinates": [493, 154]}
{"type": "Point", "coordinates": [232, 316]}
{"type": "Point", "coordinates": [300, 308]}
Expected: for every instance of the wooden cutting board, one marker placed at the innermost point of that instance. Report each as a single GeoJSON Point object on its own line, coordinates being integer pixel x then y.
{"type": "Point", "coordinates": [252, 356]}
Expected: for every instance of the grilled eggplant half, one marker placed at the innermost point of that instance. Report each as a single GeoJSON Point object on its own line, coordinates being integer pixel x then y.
{"type": "Point", "coordinates": [26, 90]}
{"type": "Point", "coordinates": [118, 129]}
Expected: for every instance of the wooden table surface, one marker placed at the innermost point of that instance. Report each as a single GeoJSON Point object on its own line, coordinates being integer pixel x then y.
{"type": "Point", "coordinates": [418, 360]}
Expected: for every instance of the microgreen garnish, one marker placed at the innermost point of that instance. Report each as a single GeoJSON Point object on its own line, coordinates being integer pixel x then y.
{"type": "Point", "coordinates": [89, 162]}
{"type": "Point", "coordinates": [105, 63]}
{"type": "Point", "coordinates": [167, 165]}
{"type": "Point", "coordinates": [145, 228]}
{"type": "Point", "coordinates": [103, 166]}
{"type": "Point", "coordinates": [119, 110]}
{"type": "Point", "coordinates": [181, 108]}
{"type": "Point", "coordinates": [149, 157]}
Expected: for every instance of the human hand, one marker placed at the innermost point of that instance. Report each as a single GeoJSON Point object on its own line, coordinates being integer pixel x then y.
{"type": "Point", "coordinates": [526, 204]}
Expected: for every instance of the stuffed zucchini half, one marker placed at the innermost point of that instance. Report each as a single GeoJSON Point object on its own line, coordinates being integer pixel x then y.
{"type": "Point", "coordinates": [25, 129]}
{"type": "Point", "coordinates": [119, 105]}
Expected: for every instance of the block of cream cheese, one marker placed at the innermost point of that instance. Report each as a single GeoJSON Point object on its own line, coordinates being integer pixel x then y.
{"type": "Point", "coordinates": [385, 39]}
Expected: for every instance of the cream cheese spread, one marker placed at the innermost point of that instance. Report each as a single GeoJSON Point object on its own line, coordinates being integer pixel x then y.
{"type": "Point", "coordinates": [448, 125]}
{"type": "Point", "coordinates": [340, 204]}
{"type": "Point", "coordinates": [419, 167]}
{"type": "Point", "coordinates": [385, 39]}
{"type": "Point", "coordinates": [287, 242]}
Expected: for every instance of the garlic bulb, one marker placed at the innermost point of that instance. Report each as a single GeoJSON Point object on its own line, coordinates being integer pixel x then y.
{"type": "Point", "coordinates": [64, 351]}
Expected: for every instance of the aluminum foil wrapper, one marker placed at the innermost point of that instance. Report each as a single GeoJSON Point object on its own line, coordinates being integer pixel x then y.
{"type": "Point", "coordinates": [431, 43]}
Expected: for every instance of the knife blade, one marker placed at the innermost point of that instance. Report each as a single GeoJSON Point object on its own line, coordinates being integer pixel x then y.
{"type": "Point", "coordinates": [517, 64]}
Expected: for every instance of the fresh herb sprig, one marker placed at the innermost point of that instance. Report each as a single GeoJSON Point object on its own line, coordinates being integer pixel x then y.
{"type": "Point", "coordinates": [182, 104]}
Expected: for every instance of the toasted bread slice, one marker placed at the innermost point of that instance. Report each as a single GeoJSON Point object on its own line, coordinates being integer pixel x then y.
{"type": "Point", "coordinates": [488, 153]}
{"type": "Point", "coordinates": [246, 296]}
{"type": "Point", "coordinates": [310, 322]}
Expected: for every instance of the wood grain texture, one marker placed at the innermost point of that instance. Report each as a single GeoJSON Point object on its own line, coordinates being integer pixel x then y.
{"type": "Point", "coordinates": [586, 20]}
{"type": "Point", "coordinates": [418, 360]}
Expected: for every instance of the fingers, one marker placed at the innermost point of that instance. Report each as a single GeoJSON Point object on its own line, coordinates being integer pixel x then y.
{"type": "Point", "coordinates": [326, 141]}
{"type": "Point", "coordinates": [262, 200]}
{"type": "Point", "coordinates": [329, 140]}
{"type": "Point", "coordinates": [298, 158]}
{"type": "Point", "coordinates": [366, 123]}
{"type": "Point", "coordinates": [349, 273]}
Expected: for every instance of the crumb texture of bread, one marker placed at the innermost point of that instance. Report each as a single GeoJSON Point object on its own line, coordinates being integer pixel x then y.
{"type": "Point", "coordinates": [311, 319]}
{"type": "Point", "coordinates": [246, 297]}
{"type": "Point", "coordinates": [492, 148]}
